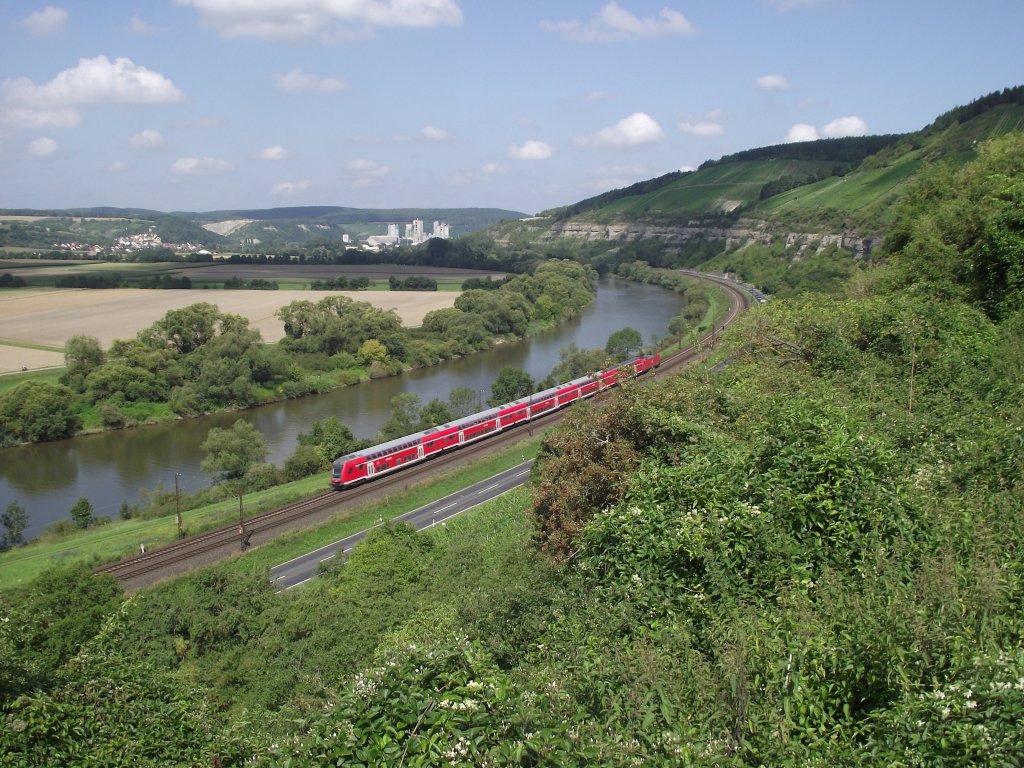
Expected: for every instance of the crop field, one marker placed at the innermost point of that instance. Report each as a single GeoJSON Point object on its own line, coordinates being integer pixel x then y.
{"type": "Point", "coordinates": [35, 323]}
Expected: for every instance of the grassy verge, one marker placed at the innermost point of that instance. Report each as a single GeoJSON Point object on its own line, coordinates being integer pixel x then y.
{"type": "Point", "coordinates": [119, 538]}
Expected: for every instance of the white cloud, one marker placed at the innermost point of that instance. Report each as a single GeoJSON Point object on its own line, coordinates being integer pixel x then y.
{"type": "Point", "coordinates": [298, 81]}
{"type": "Point", "coordinates": [493, 168]}
{"type": "Point", "coordinates": [687, 168]}
{"type": "Point", "coordinates": [613, 22]}
{"type": "Point", "coordinates": [118, 166]}
{"type": "Point", "coordinates": [288, 188]}
{"type": "Point", "coordinates": [530, 150]}
{"type": "Point", "coordinates": [701, 128]}
{"type": "Point", "coordinates": [148, 138]}
{"type": "Point", "coordinates": [367, 172]}
{"type": "Point", "coordinates": [851, 125]}
{"type": "Point", "coordinates": [95, 81]}
{"type": "Point", "coordinates": [638, 128]}
{"type": "Point", "coordinates": [276, 152]}
{"type": "Point", "coordinates": [802, 132]}
{"type": "Point", "coordinates": [772, 83]}
{"type": "Point", "coordinates": [431, 133]}
{"type": "Point", "coordinates": [48, 21]}
{"type": "Point", "coordinates": [140, 26]}
{"type": "Point", "coordinates": [42, 147]}
{"type": "Point", "coordinates": [200, 166]}
{"type": "Point", "coordinates": [21, 117]}
{"type": "Point", "coordinates": [327, 20]}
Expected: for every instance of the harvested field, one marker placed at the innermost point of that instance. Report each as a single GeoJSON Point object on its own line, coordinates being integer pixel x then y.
{"type": "Point", "coordinates": [51, 316]}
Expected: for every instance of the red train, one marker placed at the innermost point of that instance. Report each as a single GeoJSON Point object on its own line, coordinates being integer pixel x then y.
{"type": "Point", "coordinates": [369, 463]}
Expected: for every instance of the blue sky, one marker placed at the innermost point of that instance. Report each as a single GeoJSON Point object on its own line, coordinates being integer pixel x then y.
{"type": "Point", "coordinates": [213, 104]}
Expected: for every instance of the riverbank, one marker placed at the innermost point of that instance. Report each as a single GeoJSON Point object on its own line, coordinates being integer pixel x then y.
{"type": "Point", "coordinates": [120, 538]}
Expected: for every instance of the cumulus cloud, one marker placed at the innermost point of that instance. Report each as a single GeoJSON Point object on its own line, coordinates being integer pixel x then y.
{"type": "Point", "coordinates": [95, 81]}
{"type": "Point", "coordinates": [638, 128]}
{"type": "Point", "coordinates": [701, 128]}
{"type": "Point", "coordinates": [851, 125]}
{"type": "Point", "coordinates": [42, 147]}
{"type": "Point", "coordinates": [431, 133]}
{"type": "Point", "coordinates": [687, 168]}
{"type": "Point", "coordinates": [140, 26]}
{"type": "Point", "coordinates": [492, 168]}
{"type": "Point", "coordinates": [298, 81]}
{"type": "Point", "coordinates": [276, 152]}
{"type": "Point", "coordinates": [530, 150]}
{"type": "Point", "coordinates": [200, 166]}
{"type": "Point", "coordinates": [48, 21]}
{"type": "Point", "coordinates": [366, 172]}
{"type": "Point", "coordinates": [613, 23]}
{"type": "Point", "coordinates": [148, 138]}
{"type": "Point", "coordinates": [288, 188]}
{"type": "Point", "coordinates": [327, 20]}
{"type": "Point", "coordinates": [118, 166]}
{"type": "Point", "coordinates": [802, 132]}
{"type": "Point", "coordinates": [772, 83]}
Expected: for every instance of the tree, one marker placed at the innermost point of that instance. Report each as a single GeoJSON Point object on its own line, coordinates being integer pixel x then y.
{"type": "Point", "coordinates": [623, 344]}
{"type": "Point", "coordinates": [405, 417]}
{"type": "Point", "coordinates": [35, 411]}
{"type": "Point", "coordinates": [511, 384]}
{"type": "Point", "coordinates": [331, 439]}
{"type": "Point", "coordinates": [82, 513]}
{"type": "Point", "coordinates": [435, 412]}
{"type": "Point", "coordinates": [82, 355]}
{"type": "Point", "coordinates": [463, 401]}
{"type": "Point", "coordinates": [230, 452]}
{"type": "Point", "coordinates": [14, 520]}
{"type": "Point", "coordinates": [185, 329]}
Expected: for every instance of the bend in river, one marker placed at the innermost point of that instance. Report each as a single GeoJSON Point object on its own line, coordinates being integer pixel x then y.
{"type": "Point", "coordinates": [112, 467]}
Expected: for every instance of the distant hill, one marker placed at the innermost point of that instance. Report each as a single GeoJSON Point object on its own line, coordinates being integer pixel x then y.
{"type": "Point", "coordinates": [829, 185]}
{"type": "Point", "coordinates": [258, 228]}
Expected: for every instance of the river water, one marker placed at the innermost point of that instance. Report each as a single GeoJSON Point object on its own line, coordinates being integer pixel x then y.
{"type": "Point", "coordinates": [112, 467]}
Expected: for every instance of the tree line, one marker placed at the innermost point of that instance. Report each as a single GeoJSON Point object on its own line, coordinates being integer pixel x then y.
{"type": "Point", "coordinates": [197, 360]}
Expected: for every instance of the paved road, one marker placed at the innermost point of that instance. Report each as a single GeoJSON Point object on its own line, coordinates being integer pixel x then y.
{"type": "Point", "coordinates": [303, 568]}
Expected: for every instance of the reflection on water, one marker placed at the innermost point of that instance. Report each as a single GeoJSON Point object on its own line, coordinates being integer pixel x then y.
{"type": "Point", "coordinates": [112, 467]}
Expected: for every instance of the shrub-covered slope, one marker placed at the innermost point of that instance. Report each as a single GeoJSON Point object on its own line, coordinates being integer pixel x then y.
{"type": "Point", "coordinates": [809, 554]}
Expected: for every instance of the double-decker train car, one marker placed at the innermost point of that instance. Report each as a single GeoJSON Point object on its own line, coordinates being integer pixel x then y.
{"type": "Point", "coordinates": [369, 463]}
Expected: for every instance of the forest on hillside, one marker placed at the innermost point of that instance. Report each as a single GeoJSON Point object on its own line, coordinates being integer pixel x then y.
{"type": "Point", "coordinates": [811, 553]}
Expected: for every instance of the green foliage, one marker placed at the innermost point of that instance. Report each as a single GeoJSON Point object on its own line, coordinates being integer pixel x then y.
{"type": "Point", "coordinates": [623, 344]}
{"type": "Point", "coordinates": [50, 619]}
{"type": "Point", "coordinates": [14, 519]}
{"type": "Point", "coordinates": [82, 513]}
{"type": "Point", "coordinates": [35, 411]}
{"type": "Point", "coordinates": [230, 452]}
{"type": "Point", "coordinates": [511, 384]}
{"type": "Point", "coordinates": [108, 708]}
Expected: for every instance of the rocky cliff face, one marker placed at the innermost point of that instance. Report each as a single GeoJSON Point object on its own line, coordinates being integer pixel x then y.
{"type": "Point", "coordinates": [744, 233]}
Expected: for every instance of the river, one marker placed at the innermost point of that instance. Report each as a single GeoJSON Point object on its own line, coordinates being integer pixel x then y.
{"type": "Point", "coordinates": [109, 468]}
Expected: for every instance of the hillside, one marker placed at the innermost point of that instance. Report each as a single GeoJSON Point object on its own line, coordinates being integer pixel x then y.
{"type": "Point", "coordinates": [825, 187]}
{"type": "Point", "coordinates": [808, 552]}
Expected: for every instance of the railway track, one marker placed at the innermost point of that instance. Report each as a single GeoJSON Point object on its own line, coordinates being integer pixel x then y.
{"type": "Point", "coordinates": [209, 547]}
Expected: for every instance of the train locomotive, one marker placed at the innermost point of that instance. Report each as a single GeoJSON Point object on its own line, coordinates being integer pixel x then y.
{"type": "Point", "coordinates": [369, 463]}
